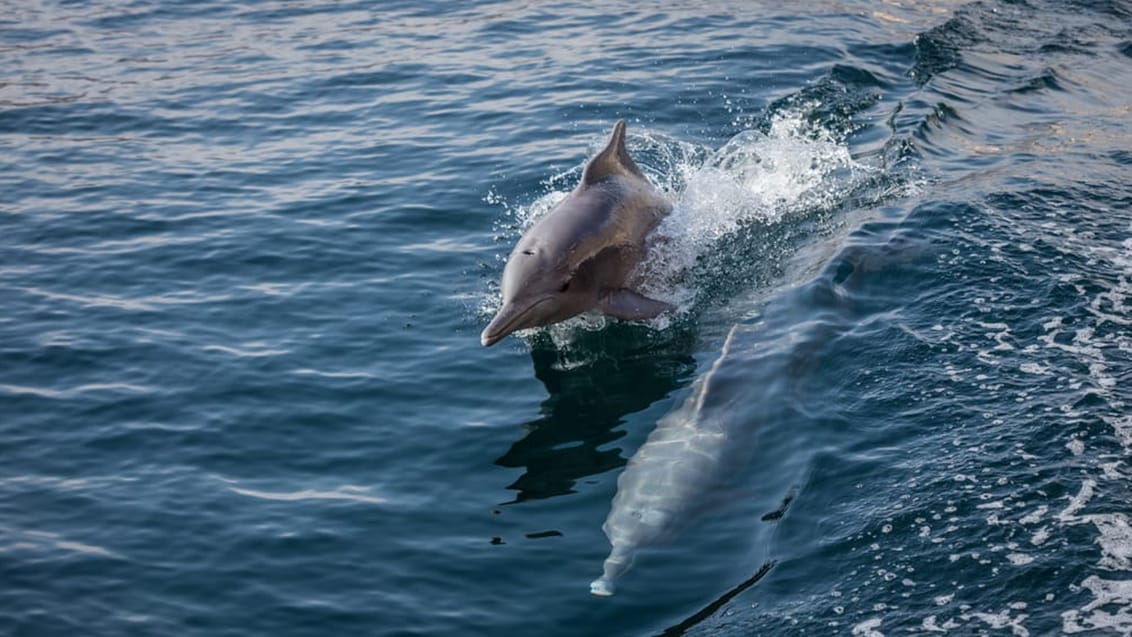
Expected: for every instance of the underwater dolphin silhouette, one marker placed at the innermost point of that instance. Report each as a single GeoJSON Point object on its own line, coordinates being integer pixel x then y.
{"type": "Point", "coordinates": [581, 255]}
{"type": "Point", "coordinates": [673, 471]}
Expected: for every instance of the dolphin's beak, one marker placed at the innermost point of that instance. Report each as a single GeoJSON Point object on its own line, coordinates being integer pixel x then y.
{"type": "Point", "coordinates": [509, 318]}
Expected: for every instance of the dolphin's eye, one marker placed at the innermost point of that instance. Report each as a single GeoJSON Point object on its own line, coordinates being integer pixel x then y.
{"type": "Point", "coordinates": [528, 252]}
{"type": "Point", "coordinates": [565, 286]}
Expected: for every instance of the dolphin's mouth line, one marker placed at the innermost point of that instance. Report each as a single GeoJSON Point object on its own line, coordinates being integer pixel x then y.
{"type": "Point", "coordinates": [506, 328]}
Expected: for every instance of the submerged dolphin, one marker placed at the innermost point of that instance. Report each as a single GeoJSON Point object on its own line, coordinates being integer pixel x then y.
{"type": "Point", "coordinates": [673, 471]}
{"type": "Point", "coordinates": [580, 256]}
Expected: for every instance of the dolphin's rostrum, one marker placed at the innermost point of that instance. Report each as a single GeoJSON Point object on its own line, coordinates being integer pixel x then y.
{"type": "Point", "coordinates": [582, 254]}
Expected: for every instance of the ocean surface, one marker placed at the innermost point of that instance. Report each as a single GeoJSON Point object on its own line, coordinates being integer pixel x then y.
{"type": "Point", "coordinates": [247, 248]}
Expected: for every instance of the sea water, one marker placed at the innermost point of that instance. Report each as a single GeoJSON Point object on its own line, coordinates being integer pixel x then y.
{"type": "Point", "coordinates": [247, 250]}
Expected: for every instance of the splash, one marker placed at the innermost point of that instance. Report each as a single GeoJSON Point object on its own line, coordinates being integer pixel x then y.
{"type": "Point", "coordinates": [795, 170]}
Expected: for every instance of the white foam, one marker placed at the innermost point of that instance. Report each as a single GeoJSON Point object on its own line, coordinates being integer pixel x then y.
{"type": "Point", "coordinates": [868, 628]}
{"type": "Point", "coordinates": [1096, 346]}
{"type": "Point", "coordinates": [1036, 516]}
{"type": "Point", "coordinates": [1077, 502]}
{"type": "Point", "coordinates": [930, 625]}
{"type": "Point", "coordinates": [792, 169]}
{"type": "Point", "coordinates": [1111, 608]}
{"type": "Point", "coordinates": [1122, 425]}
{"type": "Point", "coordinates": [1019, 559]}
{"type": "Point", "coordinates": [1002, 620]}
{"type": "Point", "coordinates": [1115, 540]}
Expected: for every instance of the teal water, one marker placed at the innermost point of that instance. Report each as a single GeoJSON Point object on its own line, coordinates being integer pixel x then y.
{"type": "Point", "coordinates": [247, 250]}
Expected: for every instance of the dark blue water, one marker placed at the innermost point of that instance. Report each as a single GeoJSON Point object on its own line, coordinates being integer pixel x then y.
{"type": "Point", "coordinates": [247, 250]}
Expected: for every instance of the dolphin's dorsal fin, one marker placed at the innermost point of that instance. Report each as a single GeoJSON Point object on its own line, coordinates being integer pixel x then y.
{"type": "Point", "coordinates": [614, 160]}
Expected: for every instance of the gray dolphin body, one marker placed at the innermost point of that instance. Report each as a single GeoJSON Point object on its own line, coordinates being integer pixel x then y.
{"type": "Point", "coordinates": [581, 255]}
{"type": "Point", "coordinates": [672, 472]}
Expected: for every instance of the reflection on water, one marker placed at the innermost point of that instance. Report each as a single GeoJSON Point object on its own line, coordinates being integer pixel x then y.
{"type": "Point", "coordinates": [593, 385]}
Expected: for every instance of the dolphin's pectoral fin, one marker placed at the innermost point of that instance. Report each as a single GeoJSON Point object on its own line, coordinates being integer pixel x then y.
{"type": "Point", "coordinates": [628, 305]}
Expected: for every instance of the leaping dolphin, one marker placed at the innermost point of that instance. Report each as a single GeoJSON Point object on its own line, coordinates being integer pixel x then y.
{"type": "Point", "coordinates": [580, 256]}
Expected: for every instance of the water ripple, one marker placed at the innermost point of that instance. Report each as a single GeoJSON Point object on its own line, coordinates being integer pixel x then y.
{"type": "Point", "coordinates": [254, 240]}
{"type": "Point", "coordinates": [345, 492]}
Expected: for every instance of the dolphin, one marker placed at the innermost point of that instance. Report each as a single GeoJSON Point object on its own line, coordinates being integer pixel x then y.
{"type": "Point", "coordinates": [675, 469]}
{"type": "Point", "coordinates": [582, 254]}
